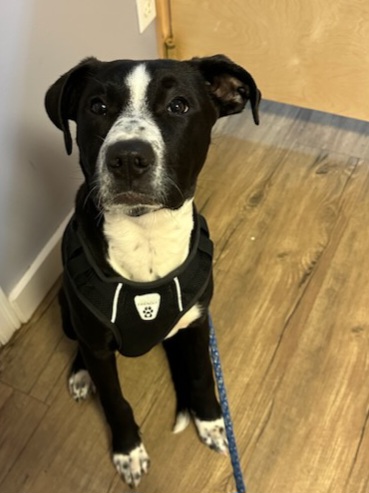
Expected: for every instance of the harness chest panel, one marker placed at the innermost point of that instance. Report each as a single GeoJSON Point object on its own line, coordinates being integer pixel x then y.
{"type": "Point", "coordinates": [140, 315]}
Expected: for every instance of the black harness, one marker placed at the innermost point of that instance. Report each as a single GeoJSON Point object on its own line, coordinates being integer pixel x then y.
{"type": "Point", "coordinates": [140, 315]}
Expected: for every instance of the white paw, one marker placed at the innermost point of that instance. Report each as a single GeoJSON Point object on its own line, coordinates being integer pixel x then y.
{"type": "Point", "coordinates": [131, 467]}
{"type": "Point", "coordinates": [212, 434]}
{"type": "Point", "coordinates": [80, 385]}
{"type": "Point", "coordinates": [182, 421]}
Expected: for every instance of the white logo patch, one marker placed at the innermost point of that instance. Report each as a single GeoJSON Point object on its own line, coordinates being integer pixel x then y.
{"type": "Point", "coordinates": [148, 305]}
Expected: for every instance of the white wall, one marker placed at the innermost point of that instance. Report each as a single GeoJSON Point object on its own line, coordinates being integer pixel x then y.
{"type": "Point", "coordinates": [40, 40]}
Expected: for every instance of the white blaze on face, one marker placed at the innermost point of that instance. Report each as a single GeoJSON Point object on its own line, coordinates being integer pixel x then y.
{"type": "Point", "coordinates": [137, 82]}
{"type": "Point", "coordinates": [135, 122]}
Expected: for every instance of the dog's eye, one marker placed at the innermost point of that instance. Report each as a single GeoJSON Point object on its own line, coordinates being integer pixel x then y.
{"type": "Point", "coordinates": [178, 106]}
{"type": "Point", "coordinates": [98, 107]}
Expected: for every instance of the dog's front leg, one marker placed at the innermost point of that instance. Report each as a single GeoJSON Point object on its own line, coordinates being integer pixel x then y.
{"type": "Point", "coordinates": [129, 454]}
{"type": "Point", "coordinates": [192, 374]}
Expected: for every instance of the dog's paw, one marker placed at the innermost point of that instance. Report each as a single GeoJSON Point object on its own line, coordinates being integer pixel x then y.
{"type": "Point", "coordinates": [182, 420]}
{"type": "Point", "coordinates": [212, 434]}
{"type": "Point", "coordinates": [81, 385]}
{"type": "Point", "coordinates": [131, 467]}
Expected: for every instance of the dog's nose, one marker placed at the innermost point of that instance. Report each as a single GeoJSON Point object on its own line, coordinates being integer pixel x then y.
{"type": "Point", "coordinates": [133, 155]}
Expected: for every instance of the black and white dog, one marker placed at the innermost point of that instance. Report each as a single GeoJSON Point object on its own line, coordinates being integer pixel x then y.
{"type": "Point", "coordinates": [137, 255]}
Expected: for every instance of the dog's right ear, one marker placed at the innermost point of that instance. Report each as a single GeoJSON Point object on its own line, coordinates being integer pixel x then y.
{"type": "Point", "coordinates": [61, 100]}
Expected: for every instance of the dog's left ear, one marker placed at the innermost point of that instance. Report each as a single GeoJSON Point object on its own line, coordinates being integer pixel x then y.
{"type": "Point", "coordinates": [230, 85]}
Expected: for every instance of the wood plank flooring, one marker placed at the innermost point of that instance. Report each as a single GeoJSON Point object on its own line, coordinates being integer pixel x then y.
{"type": "Point", "coordinates": [288, 208]}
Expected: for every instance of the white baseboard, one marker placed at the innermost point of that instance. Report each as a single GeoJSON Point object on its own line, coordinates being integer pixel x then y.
{"type": "Point", "coordinates": [9, 322]}
{"type": "Point", "coordinates": [39, 278]}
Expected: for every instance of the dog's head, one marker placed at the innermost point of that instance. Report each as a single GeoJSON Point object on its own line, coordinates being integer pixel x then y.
{"type": "Point", "coordinates": [143, 128]}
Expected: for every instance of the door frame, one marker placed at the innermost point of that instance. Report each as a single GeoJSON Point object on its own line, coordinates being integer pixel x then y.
{"type": "Point", "coordinates": [164, 32]}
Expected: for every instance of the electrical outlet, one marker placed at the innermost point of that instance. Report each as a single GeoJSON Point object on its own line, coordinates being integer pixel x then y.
{"type": "Point", "coordinates": [146, 11]}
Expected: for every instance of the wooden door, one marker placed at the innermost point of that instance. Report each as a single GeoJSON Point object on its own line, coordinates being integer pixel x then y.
{"type": "Point", "coordinates": [313, 54]}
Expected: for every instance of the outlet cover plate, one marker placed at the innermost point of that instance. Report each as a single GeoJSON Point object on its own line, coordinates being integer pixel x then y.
{"type": "Point", "coordinates": [146, 11]}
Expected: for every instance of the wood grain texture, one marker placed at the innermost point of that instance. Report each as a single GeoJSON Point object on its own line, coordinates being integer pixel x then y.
{"type": "Point", "coordinates": [311, 54]}
{"type": "Point", "coordinates": [24, 371]}
{"type": "Point", "coordinates": [288, 208]}
{"type": "Point", "coordinates": [19, 417]}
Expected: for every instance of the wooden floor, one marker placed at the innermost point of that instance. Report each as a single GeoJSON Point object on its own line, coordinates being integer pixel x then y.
{"type": "Point", "coordinates": [288, 206]}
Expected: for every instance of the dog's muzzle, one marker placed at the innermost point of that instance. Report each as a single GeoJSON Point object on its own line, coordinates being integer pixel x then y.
{"type": "Point", "coordinates": [127, 173]}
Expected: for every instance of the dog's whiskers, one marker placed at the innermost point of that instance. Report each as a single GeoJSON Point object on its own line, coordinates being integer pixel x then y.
{"type": "Point", "coordinates": [92, 191]}
{"type": "Point", "coordinates": [174, 184]}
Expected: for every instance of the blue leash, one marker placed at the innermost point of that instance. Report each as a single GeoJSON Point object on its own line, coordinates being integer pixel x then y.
{"type": "Point", "coordinates": [233, 452]}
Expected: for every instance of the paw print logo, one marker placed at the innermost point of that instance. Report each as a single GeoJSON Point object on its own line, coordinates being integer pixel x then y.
{"type": "Point", "coordinates": [148, 312]}
{"type": "Point", "coordinates": [147, 305]}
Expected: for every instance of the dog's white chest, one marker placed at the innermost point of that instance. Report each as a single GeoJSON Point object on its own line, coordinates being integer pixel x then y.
{"type": "Point", "coordinates": [148, 247]}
